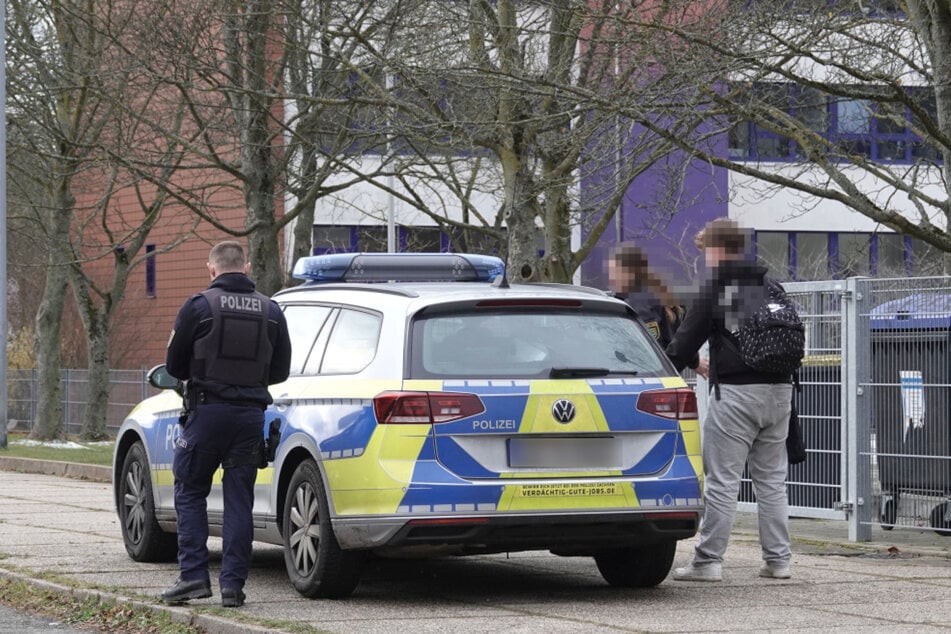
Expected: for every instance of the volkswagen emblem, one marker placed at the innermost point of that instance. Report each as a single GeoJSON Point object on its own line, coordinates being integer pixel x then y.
{"type": "Point", "coordinates": [563, 410]}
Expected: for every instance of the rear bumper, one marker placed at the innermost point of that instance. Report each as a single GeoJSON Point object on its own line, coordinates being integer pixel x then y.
{"type": "Point", "coordinates": [569, 534]}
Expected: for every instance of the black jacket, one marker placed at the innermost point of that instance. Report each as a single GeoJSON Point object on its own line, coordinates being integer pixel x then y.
{"type": "Point", "coordinates": [194, 321]}
{"type": "Point", "coordinates": [734, 290]}
{"type": "Point", "coordinates": [652, 314]}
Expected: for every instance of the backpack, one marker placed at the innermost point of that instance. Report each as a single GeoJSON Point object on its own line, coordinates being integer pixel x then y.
{"type": "Point", "coordinates": [772, 338]}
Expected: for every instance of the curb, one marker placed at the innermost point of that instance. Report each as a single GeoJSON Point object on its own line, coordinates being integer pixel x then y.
{"type": "Point", "coordinates": [209, 623]}
{"type": "Point", "coordinates": [94, 473]}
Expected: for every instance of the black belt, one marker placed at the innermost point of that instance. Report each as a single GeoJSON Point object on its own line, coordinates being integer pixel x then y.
{"type": "Point", "coordinates": [207, 398]}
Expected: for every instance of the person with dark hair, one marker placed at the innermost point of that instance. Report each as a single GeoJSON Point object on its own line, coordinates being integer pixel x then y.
{"type": "Point", "coordinates": [747, 420]}
{"type": "Point", "coordinates": [229, 343]}
{"type": "Point", "coordinates": [631, 279]}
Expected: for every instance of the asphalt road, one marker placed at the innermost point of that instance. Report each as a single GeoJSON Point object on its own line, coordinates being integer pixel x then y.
{"type": "Point", "coordinates": [67, 530]}
{"type": "Point", "coordinates": [15, 622]}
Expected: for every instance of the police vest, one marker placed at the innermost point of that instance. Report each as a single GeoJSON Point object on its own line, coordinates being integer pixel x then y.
{"type": "Point", "coordinates": [237, 350]}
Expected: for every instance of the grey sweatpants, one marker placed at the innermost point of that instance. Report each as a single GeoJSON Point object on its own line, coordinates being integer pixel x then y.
{"type": "Point", "coordinates": [748, 424]}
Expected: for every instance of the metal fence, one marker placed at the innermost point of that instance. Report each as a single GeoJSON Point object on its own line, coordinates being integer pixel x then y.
{"type": "Point", "coordinates": [875, 404]}
{"type": "Point", "coordinates": [126, 389]}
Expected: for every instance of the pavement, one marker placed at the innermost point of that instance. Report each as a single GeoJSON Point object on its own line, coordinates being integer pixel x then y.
{"type": "Point", "coordinates": [59, 530]}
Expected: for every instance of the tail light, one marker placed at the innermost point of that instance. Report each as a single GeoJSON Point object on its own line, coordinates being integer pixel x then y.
{"type": "Point", "coordinates": [425, 407]}
{"type": "Point", "coordinates": [677, 404]}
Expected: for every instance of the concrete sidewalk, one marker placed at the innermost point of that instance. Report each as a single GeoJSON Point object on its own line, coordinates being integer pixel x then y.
{"type": "Point", "coordinates": [63, 533]}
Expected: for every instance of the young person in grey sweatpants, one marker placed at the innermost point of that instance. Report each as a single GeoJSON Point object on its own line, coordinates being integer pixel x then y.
{"type": "Point", "coordinates": [747, 415]}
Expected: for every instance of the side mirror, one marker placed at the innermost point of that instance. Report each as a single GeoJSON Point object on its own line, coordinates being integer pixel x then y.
{"type": "Point", "coordinates": [160, 378]}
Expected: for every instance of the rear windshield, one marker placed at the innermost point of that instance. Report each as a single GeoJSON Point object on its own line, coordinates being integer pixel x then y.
{"type": "Point", "coordinates": [532, 345]}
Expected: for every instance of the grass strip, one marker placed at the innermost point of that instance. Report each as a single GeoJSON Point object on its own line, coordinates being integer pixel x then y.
{"type": "Point", "coordinates": [98, 453]}
{"type": "Point", "coordinates": [89, 612]}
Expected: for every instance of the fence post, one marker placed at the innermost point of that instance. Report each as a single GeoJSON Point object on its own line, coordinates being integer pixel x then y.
{"type": "Point", "coordinates": [33, 392]}
{"type": "Point", "coordinates": [856, 362]}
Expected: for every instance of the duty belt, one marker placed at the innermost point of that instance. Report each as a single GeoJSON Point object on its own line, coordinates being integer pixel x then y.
{"type": "Point", "coordinates": [208, 398]}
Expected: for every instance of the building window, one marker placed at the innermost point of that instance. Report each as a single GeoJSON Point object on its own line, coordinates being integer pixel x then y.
{"type": "Point", "coordinates": [772, 249]}
{"type": "Point", "coordinates": [421, 239]}
{"type": "Point", "coordinates": [854, 256]}
{"type": "Point", "coordinates": [150, 271]}
{"type": "Point", "coordinates": [332, 239]}
{"type": "Point", "coordinates": [889, 260]}
{"type": "Point", "coordinates": [817, 256]}
{"type": "Point", "coordinates": [371, 239]}
{"type": "Point", "coordinates": [923, 259]}
{"type": "Point", "coordinates": [882, 131]}
{"type": "Point", "coordinates": [811, 256]}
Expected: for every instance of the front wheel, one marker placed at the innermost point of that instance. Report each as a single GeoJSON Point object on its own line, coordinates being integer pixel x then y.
{"type": "Point", "coordinates": [636, 567]}
{"type": "Point", "coordinates": [144, 540]}
{"type": "Point", "coordinates": [316, 565]}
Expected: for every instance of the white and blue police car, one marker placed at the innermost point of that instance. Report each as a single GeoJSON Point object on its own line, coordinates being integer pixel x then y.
{"type": "Point", "coordinates": [433, 408]}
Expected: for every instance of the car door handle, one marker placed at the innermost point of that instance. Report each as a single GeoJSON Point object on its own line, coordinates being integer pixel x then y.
{"type": "Point", "coordinates": [283, 401]}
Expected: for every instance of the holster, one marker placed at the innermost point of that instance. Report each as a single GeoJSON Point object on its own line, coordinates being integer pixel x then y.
{"type": "Point", "coordinates": [268, 447]}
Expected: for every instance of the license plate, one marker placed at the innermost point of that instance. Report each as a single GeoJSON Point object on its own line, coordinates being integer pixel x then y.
{"type": "Point", "coordinates": [564, 453]}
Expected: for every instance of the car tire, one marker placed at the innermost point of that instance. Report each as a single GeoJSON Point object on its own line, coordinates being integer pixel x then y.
{"type": "Point", "coordinates": [889, 513]}
{"type": "Point", "coordinates": [316, 565]}
{"type": "Point", "coordinates": [640, 567]}
{"type": "Point", "coordinates": [144, 540]}
{"type": "Point", "coordinates": [939, 523]}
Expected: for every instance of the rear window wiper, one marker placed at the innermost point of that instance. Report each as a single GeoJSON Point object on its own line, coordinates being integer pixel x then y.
{"type": "Point", "coordinates": [567, 373]}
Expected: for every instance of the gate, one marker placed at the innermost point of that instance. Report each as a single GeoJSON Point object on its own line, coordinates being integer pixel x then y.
{"type": "Point", "coordinates": [874, 405]}
{"type": "Point", "coordinates": [817, 487]}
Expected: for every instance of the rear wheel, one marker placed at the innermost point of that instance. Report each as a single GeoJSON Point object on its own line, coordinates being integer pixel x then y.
{"type": "Point", "coordinates": [889, 513]}
{"type": "Point", "coordinates": [941, 519]}
{"type": "Point", "coordinates": [144, 539]}
{"type": "Point", "coordinates": [316, 565]}
{"type": "Point", "coordinates": [636, 567]}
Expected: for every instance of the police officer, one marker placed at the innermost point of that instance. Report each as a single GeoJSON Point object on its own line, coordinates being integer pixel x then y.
{"type": "Point", "coordinates": [644, 291]}
{"type": "Point", "coordinates": [229, 343]}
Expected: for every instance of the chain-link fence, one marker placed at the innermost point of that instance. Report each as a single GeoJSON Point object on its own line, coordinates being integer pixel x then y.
{"type": "Point", "coordinates": [126, 389]}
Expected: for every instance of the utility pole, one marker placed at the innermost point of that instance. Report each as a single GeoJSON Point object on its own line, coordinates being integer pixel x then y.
{"type": "Point", "coordinates": [3, 230]}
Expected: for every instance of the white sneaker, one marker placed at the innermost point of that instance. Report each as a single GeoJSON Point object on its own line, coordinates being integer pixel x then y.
{"type": "Point", "coordinates": [700, 572]}
{"type": "Point", "coordinates": [775, 572]}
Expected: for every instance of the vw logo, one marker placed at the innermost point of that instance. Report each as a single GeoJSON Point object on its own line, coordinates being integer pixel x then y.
{"type": "Point", "coordinates": [563, 410]}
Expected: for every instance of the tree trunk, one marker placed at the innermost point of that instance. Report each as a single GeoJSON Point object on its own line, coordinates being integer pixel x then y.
{"type": "Point", "coordinates": [266, 268]}
{"type": "Point", "coordinates": [304, 222]}
{"type": "Point", "coordinates": [933, 23]}
{"type": "Point", "coordinates": [97, 396]}
{"type": "Point", "coordinates": [559, 261]}
{"type": "Point", "coordinates": [49, 423]}
{"type": "Point", "coordinates": [519, 212]}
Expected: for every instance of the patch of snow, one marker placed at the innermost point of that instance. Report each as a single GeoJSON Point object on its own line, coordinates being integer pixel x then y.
{"type": "Point", "coordinates": [57, 444]}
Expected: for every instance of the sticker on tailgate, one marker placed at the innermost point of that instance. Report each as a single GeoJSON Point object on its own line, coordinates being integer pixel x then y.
{"type": "Point", "coordinates": [568, 489]}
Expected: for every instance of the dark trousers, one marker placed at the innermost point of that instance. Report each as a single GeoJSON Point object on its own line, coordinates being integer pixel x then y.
{"type": "Point", "coordinates": [215, 435]}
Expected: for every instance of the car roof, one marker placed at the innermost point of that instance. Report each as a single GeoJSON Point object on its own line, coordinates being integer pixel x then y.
{"type": "Point", "coordinates": [456, 290]}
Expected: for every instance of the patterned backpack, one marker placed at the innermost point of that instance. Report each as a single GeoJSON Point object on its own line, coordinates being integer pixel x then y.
{"type": "Point", "coordinates": [772, 338]}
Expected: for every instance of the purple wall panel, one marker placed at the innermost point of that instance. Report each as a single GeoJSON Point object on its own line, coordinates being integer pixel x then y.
{"type": "Point", "coordinates": [662, 211]}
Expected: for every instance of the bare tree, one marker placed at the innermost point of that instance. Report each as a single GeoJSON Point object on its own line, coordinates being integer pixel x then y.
{"type": "Point", "coordinates": [490, 102]}
{"type": "Point", "coordinates": [53, 66]}
{"type": "Point", "coordinates": [845, 102]}
{"type": "Point", "coordinates": [78, 103]}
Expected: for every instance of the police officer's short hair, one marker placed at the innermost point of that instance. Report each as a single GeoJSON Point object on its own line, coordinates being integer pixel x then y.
{"type": "Point", "coordinates": [227, 256]}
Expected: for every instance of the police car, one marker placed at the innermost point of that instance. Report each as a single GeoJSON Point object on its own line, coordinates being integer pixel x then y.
{"type": "Point", "coordinates": [435, 409]}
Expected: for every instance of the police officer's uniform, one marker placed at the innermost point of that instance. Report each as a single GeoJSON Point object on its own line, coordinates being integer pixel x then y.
{"type": "Point", "coordinates": [652, 314]}
{"type": "Point", "coordinates": [229, 342]}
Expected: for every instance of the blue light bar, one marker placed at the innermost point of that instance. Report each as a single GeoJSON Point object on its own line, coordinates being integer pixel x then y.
{"type": "Point", "coordinates": [399, 267]}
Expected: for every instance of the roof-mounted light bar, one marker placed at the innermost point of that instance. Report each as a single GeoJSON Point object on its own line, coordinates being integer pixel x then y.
{"type": "Point", "coordinates": [399, 267]}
